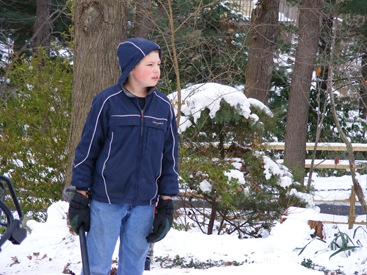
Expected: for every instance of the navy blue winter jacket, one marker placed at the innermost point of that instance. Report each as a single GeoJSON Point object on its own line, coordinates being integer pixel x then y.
{"type": "Point", "coordinates": [126, 154]}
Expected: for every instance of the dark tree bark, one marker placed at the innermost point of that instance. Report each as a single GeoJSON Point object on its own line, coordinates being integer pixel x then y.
{"type": "Point", "coordinates": [42, 26]}
{"type": "Point", "coordinates": [100, 25]}
{"type": "Point", "coordinates": [298, 104]}
{"type": "Point", "coordinates": [264, 31]}
{"type": "Point", "coordinates": [327, 25]}
{"type": "Point", "coordinates": [363, 91]}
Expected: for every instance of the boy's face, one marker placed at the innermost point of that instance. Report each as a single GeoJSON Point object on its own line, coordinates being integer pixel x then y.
{"type": "Point", "coordinates": [148, 71]}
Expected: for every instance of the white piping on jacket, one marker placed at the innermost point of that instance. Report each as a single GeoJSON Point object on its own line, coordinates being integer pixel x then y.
{"type": "Point", "coordinates": [95, 128]}
{"type": "Point", "coordinates": [104, 167]}
{"type": "Point", "coordinates": [156, 180]}
{"type": "Point", "coordinates": [157, 118]}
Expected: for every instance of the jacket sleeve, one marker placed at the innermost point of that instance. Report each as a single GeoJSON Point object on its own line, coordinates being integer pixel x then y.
{"type": "Point", "coordinates": [168, 181]}
{"type": "Point", "coordinates": [89, 146]}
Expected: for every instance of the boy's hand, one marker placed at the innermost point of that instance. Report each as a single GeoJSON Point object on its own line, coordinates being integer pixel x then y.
{"type": "Point", "coordinates": [79, 212]}
{"type": "Point", "coordinates": [163, 220]}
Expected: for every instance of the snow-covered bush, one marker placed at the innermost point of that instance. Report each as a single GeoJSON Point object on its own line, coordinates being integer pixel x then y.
{"type": "Point", "coordinates": [231, 184]}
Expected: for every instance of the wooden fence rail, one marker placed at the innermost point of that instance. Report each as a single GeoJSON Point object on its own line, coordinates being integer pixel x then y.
{"type": "Point", "coordinates": [331, 164]}
{"type": "Point", "coordinates": [321, 146]}
{"type": "Point", "coordinates": [325, 163]}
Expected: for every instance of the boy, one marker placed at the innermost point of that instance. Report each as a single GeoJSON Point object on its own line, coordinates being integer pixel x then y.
{"type": "Point", "coordinates": [125, 162]}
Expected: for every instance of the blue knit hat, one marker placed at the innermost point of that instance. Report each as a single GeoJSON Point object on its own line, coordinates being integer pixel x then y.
{"type": "Point", "coordinates": [131, 52]}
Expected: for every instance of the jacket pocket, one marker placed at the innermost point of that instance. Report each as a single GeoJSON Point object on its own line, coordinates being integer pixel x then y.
{"type": "Point", "coordinates": [124, 120]}
{"type": "Point", "coordinates": [156, 132]}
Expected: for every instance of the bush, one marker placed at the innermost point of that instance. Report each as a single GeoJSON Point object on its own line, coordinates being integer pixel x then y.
{"type": "Point", "coordinates": [35, 112]}
{"type": "Point", "coordinates": [234, 187]}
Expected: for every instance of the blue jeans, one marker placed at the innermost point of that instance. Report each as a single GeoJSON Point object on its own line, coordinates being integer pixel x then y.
{"type": "Point", "coordinates": [111, 221]}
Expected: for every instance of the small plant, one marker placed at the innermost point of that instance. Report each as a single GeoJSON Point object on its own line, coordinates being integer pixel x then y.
{"type": "Point", "coordinates": [307, 263]}
{"type": "Point", "coordinates": [302, 249]}
{"type": "Point", "coordinates": [355, 231]}
{"type": "Point", "coordinates": [341, 243]}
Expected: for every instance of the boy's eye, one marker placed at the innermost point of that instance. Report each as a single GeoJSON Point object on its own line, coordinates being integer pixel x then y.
{"type": "Point", "coordinates": [151, 64]}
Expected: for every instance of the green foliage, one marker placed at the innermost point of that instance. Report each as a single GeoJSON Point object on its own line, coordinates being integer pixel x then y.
{"type": "Point", "coordinates": [35, 111]}
{"type": "Point", "coordinates": [354, 6]}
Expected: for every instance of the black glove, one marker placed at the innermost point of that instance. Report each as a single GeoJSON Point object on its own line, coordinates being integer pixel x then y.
{"type": "Point", "coordinates": [163, 220]}
{"type": "Point", "coordinates": [79, 212]}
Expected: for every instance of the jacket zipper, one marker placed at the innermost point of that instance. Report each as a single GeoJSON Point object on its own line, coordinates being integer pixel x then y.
{"type": "Point", "coordinates": [142, 122]}
{"type": "Point", "coordinates": [141, 141]}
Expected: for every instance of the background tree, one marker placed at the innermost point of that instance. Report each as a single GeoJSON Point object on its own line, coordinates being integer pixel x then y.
{"type": "Point", "coordinates": [298, 104]}
{"type": "Point", "coordinates": [42, 26]}
{"type": "Point", "coordinates": [264, 31]}
{"type": "Point", "coordinates": [23, 22]}
{"type": "Point", "coordinates": [99, 27]}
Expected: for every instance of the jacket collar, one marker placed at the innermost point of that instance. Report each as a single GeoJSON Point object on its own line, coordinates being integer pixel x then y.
{"type": "Point", "coordinates": [131, 95]}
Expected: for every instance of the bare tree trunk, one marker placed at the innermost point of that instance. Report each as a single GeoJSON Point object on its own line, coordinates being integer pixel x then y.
{"type": "Point", "coordinates": [264, 31]}
{"type": "Point", "coordinates": [325, 43]}
{"type": "Point", "coordinates": [363, 91]}
{"type": "Point", "coordinates": [42, 26]}
{"type": "Point", "coordinates": [212, 218]}
{"type": "Point", "coordinates": [298, 104]}
{"type": "Point", "coordinates": [100, 25]}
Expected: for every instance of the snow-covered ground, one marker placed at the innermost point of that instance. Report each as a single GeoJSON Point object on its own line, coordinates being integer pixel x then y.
{"type": "Point", "coordinates": [51, 248]}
